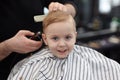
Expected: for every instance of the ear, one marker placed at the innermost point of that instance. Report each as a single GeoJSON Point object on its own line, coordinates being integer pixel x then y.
{"type": "Point", "coordinates": [76, 34]}
{"type": "Point", "coordinates": [44, 38]}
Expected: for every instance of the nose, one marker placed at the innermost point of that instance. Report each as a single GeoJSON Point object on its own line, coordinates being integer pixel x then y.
{"type": "Point", "coordinates": [61, 43]}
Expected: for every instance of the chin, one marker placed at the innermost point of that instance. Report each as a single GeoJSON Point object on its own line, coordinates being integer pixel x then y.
{"type": "Point", "coordinates": [62, 57]}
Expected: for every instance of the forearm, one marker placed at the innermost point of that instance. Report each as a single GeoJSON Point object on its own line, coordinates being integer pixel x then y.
{"type": "Point", "coordinates": [4, 51]}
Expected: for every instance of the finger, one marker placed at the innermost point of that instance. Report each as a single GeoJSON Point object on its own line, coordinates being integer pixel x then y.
{"type": "Point", "coordinates": [57, 6]}
{"type": "Point", "coordinates": [64, 9]}
{"type": "Point", "coordinates": [25, 33]}
{"type": "Point", "coordinates": [33, 47]}
{"type": "Point", "coordinates": [33, 43]}
{"type": "Point", "coordinates": [51, 6]}
{"type": "Point", "coordinates": [54, 6]}
{"type": "Point", "coordinates": [28, 48]}
{"type": "Point", "coordinates": [61, 7]}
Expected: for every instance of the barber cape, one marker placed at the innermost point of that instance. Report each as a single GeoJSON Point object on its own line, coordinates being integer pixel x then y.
{"type": "Point", "coordinates": [81, 64]}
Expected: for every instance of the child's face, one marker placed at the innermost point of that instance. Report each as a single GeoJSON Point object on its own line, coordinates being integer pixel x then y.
{"type": "Point", "coordinates": [60, 38]}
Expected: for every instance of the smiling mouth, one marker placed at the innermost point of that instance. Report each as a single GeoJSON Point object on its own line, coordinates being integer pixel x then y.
{"type": "Point", "coordinates": [62, 51]}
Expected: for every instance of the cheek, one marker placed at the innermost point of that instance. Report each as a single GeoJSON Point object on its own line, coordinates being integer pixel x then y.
{"type": "Point", "coordinates": [51, 44]}
{"type": "Point", "coordinates": [72, 42]}
{"type": "Point", "coordinates": [71, 46]}
{"type": "Point", "coordinates": [52, 47]}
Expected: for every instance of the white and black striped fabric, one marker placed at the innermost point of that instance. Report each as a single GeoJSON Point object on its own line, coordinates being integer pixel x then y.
{"type": "Point", "coordinates": [82, 64]}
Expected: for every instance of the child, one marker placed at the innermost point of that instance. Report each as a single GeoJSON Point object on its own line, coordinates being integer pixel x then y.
{"type": "Point", "coordinates": [62, 59]}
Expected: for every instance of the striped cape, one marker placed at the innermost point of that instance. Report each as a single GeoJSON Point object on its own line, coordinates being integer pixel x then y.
{"type": "Point", "coordinates": [81, 64]}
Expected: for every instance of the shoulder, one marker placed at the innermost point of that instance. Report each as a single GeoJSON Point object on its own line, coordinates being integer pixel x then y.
{"type": "Point", "coordinates": [94, 57]}
{"type": "Point", "coordinates": [85, 51]}
{"type": "Point", "coordinates": [97, 61]}
{"type": "Point", "coordinates": [37, 58]}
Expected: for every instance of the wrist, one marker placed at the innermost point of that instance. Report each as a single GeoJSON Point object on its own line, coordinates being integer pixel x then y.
{"type": "Point", "coordinates": [4, 51]}
{"type": "Point", "coordinates": [7, 47]}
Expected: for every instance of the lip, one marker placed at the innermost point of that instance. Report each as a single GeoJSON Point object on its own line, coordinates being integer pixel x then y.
{"type": "Point", "coordinates": [62, 51]}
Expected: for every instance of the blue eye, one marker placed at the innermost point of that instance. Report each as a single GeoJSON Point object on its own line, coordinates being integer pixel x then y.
{"type": "Point", "coordinates": [68, 37]}
{"type": "Point", "coordinates": [55, 38]}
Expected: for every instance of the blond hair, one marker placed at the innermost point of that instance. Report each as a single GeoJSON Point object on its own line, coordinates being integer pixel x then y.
{"type": "Point", "coordinates": [56, 16]}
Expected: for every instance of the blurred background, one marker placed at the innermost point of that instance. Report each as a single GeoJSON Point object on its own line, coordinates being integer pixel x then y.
{"type": "Point", "coordinates": [98, 26]}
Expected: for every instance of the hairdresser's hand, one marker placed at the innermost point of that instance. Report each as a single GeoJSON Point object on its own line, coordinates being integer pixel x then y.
{"type": "Point", "coordinates": [53, 6]}
{"type": "Point", "coordinates": [57, 6]}
{"type": "Point", "coordinates": [21, 44]}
